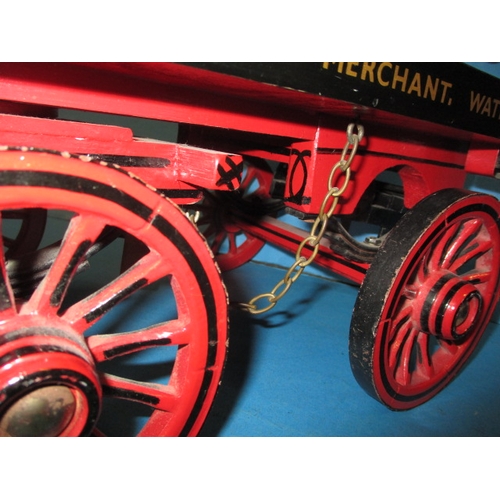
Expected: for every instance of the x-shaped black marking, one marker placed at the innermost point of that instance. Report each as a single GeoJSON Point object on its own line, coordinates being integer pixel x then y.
{"type": "Point", "coordinates": [227, 176]}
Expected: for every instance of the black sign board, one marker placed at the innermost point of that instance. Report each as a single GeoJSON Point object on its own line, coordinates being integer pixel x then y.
{"type": "Point", "coordinates": [451, 94]}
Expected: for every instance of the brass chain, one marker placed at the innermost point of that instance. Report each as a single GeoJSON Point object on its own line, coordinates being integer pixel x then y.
{"type": "Point", "coordinates": [318, 228]}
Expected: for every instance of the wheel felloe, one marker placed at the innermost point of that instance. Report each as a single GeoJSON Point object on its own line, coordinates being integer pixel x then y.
{"type": "Point", "coordinates": [427, 298]}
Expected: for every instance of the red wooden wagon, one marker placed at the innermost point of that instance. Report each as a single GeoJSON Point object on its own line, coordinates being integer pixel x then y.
{"type": "Point", "coordinates": [337, 145]}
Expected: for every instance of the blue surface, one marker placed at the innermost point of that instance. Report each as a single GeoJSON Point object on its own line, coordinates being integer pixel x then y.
{"type": "Point", "coordinates": [288, 372]}
{"type": "Point", "coordinates": [492, 68]}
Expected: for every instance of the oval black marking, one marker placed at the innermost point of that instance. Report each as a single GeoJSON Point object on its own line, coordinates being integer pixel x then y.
{"type": "Point", "coordinates": [300, 161]}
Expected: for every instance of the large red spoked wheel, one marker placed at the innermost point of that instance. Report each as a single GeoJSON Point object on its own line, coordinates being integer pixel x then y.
{"type": "Point", "coordinates": [231, 245]}
{"type": "Point", "coordinates": [427, 298]}
{"type": "Point", "coordinates": [75, 345]}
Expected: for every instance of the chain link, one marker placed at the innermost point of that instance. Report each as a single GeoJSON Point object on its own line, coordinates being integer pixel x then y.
{"type": "Point", "coordinates": [319, 226]}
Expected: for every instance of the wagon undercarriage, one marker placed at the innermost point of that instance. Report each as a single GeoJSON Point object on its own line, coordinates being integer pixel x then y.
{"type": "Point", "coordinates": [178, 213]}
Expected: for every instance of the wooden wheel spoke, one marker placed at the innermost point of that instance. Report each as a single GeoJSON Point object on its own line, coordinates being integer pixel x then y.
{"type": "Point", "coordinates": [148, 269]}
{"type": "Point", "coordinates": [403, 369]}
{"type": "Point", "coordinates": [400, 330]}
{"type": "Point", "coordinates": [478, 278]}
{"type": "Point", "coordinates": [218, 241]}
{"type": "Point", "coordinates": [233, 246]}
{"type": "Point", "coordinates": [104, 347]}
{"type": "Point", "coordinates": [424, 362]}
{"type": "Point", "coordinates": [424, 269]}
{"type": "Point", "coordinates": [160, 397]}
{"type": "Point", "coordinates": [441, 250]}
{"type": "Point", "coordinates": [458, 239]}
{"type": "Point", "coordinates": [471, 253]}
{"type": "Point", "coordinates": [80, 235]}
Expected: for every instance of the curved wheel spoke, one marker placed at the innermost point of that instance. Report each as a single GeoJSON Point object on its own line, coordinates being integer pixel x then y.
{"type": "Point", "coordinates": [218, 241]}
{"type": "Point", "coordinates": [80, 235]}
{"type": "Point", "coordinates": [403, 367]}
{"type": "Point", "coordinates": [478, 278]}
{"type": "Point", "coordinates": [440, 251]}
{"type": "Point", "coordinates": [471, 253]}
{"type": "Point", "coordinates": [155, 395]}
{"type": "Point", "coordinates": [458, 240]}
{"type": "Point", "coordinates": [400, 330]}
{"type": "Point", "coordinates": [105, 347]}
{"type": "Point", "coordinates": [409, 353]}
{"type": "Point", "coordinates": [424, 363]}
{"type": "Point", "coordinates": [232, 243]}
{"type": "Point", "coordinates": [147, 270]}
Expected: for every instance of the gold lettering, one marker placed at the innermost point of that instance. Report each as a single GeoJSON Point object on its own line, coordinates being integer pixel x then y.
{"type": "Point", "coordinates": [484, 105]}
{"type": "Point", "coordinates": [495, 109]}
{"type": "Point", "coordinates": [446, 86]}
{"type": "Point", "coordinates": [368, 68]}
{"type": "Point", "coordinates": [430, 88]}
{"type": "Point", "coordinates": [382, 82]}
{"type": "Point", "coordinates": [416, 85]}
{"type": "Point", "coordinates": [487, 107]}
{"type": "Point", "coordinates": [349, 71]}
{"type": "Point", "coordinates": [398, 78]}
{"type": "Point", "coordinates": [476, 101]}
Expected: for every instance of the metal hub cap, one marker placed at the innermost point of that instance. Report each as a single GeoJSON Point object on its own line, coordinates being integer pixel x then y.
{"type": "Point", "coordinates": [45, 411]}
{"type": "Point", "coordinates": [48, 384]}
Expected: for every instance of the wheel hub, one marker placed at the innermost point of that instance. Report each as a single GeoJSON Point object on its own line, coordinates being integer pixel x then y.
{"type": "Point", "coordinates": [45, 411]}
{"type": "Point", "coordinates": [48, 384]}
{"type": "Point", "coordinates": [449, 307]}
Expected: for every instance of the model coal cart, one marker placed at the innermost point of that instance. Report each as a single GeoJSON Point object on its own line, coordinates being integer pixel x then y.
{"type": "Point", "coordinates": [99, 220]}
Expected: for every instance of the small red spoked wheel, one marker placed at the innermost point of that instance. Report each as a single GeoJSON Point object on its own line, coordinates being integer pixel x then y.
{"type": "Point", "coordinates": [427, 298]}
{"type": "Point", "coordinates": [231, 245]}
{"type": "Point", "coordinates": [65, 347]}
